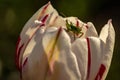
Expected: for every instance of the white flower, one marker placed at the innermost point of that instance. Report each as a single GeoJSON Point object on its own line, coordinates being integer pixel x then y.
{"type": "Point", "coordinates": [48, 50]}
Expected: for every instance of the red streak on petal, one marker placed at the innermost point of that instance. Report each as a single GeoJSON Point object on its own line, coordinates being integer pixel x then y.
{"type": "Point", "coordinates": [87, 26]}
{"type": "Point", "coordinates": [18, 51]}
{"type": "Point", "coordinates": [17, 44]}
{"type": "Point", "coordinates": [43, 10]}
{"type": "Point", "coordinates": [50, 67]}
{"type": "Point", "coordinates": [25, 62]}
{"type": "Point", "coordinates": [55, 19]}
{"type": "Point", "coordinates": [59, 31]}
{"type": "Point", "coordinates": [18, 56]}
{"type": "Point", "coordinates": [77, 23]}
{"type": "Point", "coordinates": [44, 18]}
{"type": "Point", "coordinates": [100, 73]}
{"type": "Point", "coordinates": [56, 39]}
{"type": "Point", "coordinates": [89, 58]}
{"type": "Point", "coordinates": [21, 67]}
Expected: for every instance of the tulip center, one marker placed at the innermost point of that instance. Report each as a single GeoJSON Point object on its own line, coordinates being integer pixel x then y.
{"type": "Point", "coordinates": [73, 31]}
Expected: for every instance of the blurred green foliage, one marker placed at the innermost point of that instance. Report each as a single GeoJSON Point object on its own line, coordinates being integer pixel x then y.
{"type": "Point", "coordinates": [15, 13]}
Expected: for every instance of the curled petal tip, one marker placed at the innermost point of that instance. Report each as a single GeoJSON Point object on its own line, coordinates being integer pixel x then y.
{"type": "Point", "coordinates": [110, 21]}
{"type": "Point", "coordinates": [111, 28]}
{"type": "Point", "coordinates": [49, 3]}
{"type": "Point", "coordinates": [91, 31]}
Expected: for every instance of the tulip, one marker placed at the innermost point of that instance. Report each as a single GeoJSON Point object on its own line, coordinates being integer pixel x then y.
{"type": "Point", "coordinates": [51, 47]}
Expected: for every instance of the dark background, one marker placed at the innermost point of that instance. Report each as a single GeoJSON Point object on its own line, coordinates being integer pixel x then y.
{"type": "Point", "coordinates": [15, 13]}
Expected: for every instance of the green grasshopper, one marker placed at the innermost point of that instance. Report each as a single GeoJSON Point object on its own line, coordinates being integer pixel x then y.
{"type": "Point", "coordinates": [77, 31]}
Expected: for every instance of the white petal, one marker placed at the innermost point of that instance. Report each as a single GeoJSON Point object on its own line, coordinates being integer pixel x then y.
{"type": "Point", "coordinates": [79, 47]}
{"type": "Point", "coordinates": [91, 31]}
{"type": "Point", "coordinates": [106, 31]}
{"type": "Point", "coordinates": [65, 65]}
{"type": "Point", "coordinates": [59, 22]}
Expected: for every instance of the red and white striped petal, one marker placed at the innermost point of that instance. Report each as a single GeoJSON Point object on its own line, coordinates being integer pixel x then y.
{"type": "Point", "coordinates": [96, 54]}
{"type": "Point", "coordinates": [88, 53]}
{"type": "Point", "coordinates": [35, 66]}
{"type": "Point", "coordinates": [44, 14]}
{"type": "Point", "coordinates": [107, 35]}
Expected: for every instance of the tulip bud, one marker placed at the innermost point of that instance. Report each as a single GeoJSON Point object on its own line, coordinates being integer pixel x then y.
{"type": "Point", "coordinates": [51, 47]}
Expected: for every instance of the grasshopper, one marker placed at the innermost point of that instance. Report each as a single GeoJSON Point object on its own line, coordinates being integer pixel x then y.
{"type": "Point", "coordinates": [77, 31]}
